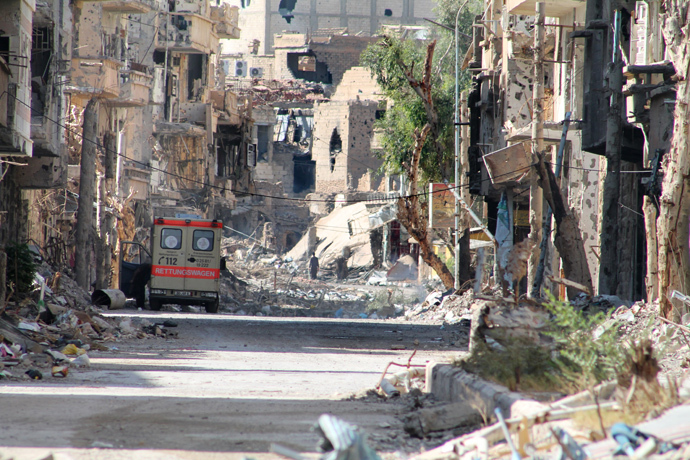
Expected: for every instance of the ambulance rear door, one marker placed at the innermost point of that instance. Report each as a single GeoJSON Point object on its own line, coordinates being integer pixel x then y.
{"type": "Point", "coordinates": [203, 256]}
{"type": "Point", "coordinates": [169, 254]}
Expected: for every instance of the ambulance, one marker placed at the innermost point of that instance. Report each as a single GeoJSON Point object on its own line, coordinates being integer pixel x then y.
{"type": "Point", "coordinates": [185, 263]}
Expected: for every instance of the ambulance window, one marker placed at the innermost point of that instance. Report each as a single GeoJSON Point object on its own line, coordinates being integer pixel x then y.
{"type": "Point", "coordinates": [203, 240]}
{"type": "Point", "coordinates": [171, 238]}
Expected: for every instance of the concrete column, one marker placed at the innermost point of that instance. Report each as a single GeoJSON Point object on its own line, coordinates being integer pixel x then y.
{"type": "Point", "coordinates": [536, 202]}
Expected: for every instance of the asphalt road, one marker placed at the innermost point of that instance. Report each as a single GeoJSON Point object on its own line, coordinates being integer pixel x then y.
{"type": "Point", "coordinates": [226, 387]}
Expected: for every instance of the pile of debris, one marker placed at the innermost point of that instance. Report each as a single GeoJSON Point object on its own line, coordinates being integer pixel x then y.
{"type": "Point", "coordinates": [645, 413]}
{"type": "Point", "coordinates": [56, 327]}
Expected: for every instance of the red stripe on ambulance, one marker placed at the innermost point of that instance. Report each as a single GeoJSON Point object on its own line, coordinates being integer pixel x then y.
{"type": "Point", "coordinates": [185, 272]}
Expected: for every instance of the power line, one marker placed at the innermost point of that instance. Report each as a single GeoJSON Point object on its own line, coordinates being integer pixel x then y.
{"type": "Point", "coordinates": [238, 192]}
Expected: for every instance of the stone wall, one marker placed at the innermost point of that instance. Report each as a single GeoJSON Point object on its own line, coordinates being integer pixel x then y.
{"type": "Point", "coordinates": [346, 170]}
{"type": "Point", "coordinates": [339, 52]}
{"type": "Point", "coordinates": [280, 167]}
{"type": "Point", "coordinates": [357, 83]}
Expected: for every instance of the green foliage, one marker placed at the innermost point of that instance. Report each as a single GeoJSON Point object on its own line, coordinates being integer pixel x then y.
{"type": "Point", "coordinates": [520, 364]}
{"type": "Point", "coordinates": [589, 347]}
{"type": "Point", "coordinates": [20, 267]}
{"type": "Point", "coordinates": [587, 350]}
{"type": "Point", "coordinates": [405, 111]}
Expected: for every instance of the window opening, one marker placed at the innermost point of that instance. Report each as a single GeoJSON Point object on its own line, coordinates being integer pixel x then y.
{"type": "Point", "coordinates": [262, 135]}
{"type": "Point", "coordinates": [285, 9]}
{"type": "Point", "coordinates": [41, 56]}
{"type": "Point", "coordinates": [336, 146]}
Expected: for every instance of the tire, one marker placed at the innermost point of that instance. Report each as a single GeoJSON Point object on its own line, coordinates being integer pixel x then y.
{"type": "Point", "coordinates": [212, 306]}
{"type": "Point", "coordinates": [155, 304]}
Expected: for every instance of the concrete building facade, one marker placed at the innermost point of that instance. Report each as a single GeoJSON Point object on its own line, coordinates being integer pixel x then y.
{"type": "Point", "coordinates": [261, 19]}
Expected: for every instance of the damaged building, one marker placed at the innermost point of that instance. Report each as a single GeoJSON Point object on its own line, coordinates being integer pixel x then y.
{"type": "Point", "coordinates": [261, 20]}
{"type": "Point", "coordinates": [169, 137]}
{"type": "Point", "coordinates": [35, 52]}
{"type": "Point", "coordinates": [503, 108]}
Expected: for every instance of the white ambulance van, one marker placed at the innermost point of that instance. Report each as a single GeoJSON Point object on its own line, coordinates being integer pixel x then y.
{"type": "Point", "coordinates": [185, 264]}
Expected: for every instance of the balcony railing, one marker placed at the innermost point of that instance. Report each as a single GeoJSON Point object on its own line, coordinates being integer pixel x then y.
{"type": "Point", "coordinates": [134, 89]}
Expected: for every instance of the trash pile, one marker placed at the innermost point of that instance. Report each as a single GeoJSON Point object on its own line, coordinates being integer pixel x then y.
{"type": "Point", "coordinates": [55, 328]}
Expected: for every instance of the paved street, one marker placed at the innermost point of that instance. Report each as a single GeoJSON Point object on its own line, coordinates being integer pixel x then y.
{"type": "Point", "coordinates": [228, 385]}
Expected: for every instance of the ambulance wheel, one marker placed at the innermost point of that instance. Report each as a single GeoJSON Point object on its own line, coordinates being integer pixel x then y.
{"type": "Point", "coordinates": [212, 307]}
{"type": "Point", "coordinates": [155, 304]}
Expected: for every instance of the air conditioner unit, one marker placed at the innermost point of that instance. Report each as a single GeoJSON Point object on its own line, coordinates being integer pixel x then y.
{"type": "Point", "coordinates": [240, 68]}
{"type": "Point", "coordinates": [256, 72]}
{"type": "Point", "coordinates": [225, 63]}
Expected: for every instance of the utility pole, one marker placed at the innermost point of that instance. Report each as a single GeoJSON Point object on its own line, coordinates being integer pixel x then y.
{"type": "Point", "coordinates": [608, 272]}
{"type": "Point", "coordinates": [536, 203]}
{"type": "Point", "coordinates": [87, 175]}
{"type": "Point", "coordinates": [465, 222]}
{"type": "Point", "coordinates": [106, 185]}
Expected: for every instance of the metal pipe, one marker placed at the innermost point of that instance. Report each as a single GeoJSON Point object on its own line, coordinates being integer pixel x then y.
{"type": "Point", "coordinates": [456, 118]}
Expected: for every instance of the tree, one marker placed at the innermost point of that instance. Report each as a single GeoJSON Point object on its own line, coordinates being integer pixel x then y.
{"type": "Point", "coordinates": [422, 155]}
{"type": "Point", "coordinates": [674, 204]}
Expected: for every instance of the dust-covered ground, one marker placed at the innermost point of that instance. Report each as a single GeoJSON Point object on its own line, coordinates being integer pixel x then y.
{"type": "Point", "coordinates": [221, 387]}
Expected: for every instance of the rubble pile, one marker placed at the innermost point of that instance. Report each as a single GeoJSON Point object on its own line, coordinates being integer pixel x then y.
{"type": "Point", "coordinates": [56, 329]}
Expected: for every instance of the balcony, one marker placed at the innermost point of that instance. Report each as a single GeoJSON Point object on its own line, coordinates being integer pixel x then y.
{"type": "Point", "coordinates": [128, 6]}
{"type": "Point", "coordinates": [553, 8]}
{"type": "Point", "coordinates": [225, 103]}
{"type": "Point", "coordinates": [96, 77]}
{"type": "Point", "coordinates": [42, 173]}
{"type": "Point", "coordinates": [134, 89]}
{"type": "Point", "coordinates": [15, 121]}
{"type": "Point", "coordinates": [188, 33]}
{"type": "Point", "coordinates": [227, 18]}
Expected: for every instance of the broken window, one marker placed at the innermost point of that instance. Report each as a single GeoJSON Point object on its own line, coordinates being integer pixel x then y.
{"type": "Point", "coordinates": [5, 48]}
{"type": "Point", "coordinates": [262, 135]}
{"type": "Point", "coordinates": [304, 173]}
{"type": "Point", "coordinates": [195, 74]}
{"type": "Point", "coordinates": [225, 159]}
{"type": "Point", "coordinates": [41, 55]}
{"type": "Point", "coordinates": [159, 57]}
{"type": "Point", "coordinates": [285, 9]}
{"type": "Point", "coordinates": [336, 146]}
{"type": "Point", "coordinates": [305, 66]}
{"type": "Point", "coordinates": [388, 12]}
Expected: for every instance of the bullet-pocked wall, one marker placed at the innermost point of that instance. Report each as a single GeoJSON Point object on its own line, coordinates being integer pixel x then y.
{"type": "Point", "coordinates": [343, 132]}
{"type": "Point", "coordinates": [261, 19]}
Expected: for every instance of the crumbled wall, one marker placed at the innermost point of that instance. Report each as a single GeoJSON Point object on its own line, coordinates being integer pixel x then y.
{"type": "Point", "coordinates": [357, 83]}
{"type": "Point", "coordinates": [354, 121]}
{"type": "Point", "coordinates": [339, 52]}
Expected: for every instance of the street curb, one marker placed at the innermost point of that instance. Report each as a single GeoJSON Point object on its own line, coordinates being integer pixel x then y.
{"type": "Point", "coordinates": [452, 384]}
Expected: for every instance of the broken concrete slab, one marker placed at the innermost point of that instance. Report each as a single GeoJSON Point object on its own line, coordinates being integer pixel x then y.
{"type": "Point", "coordinates": [448, 416]}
